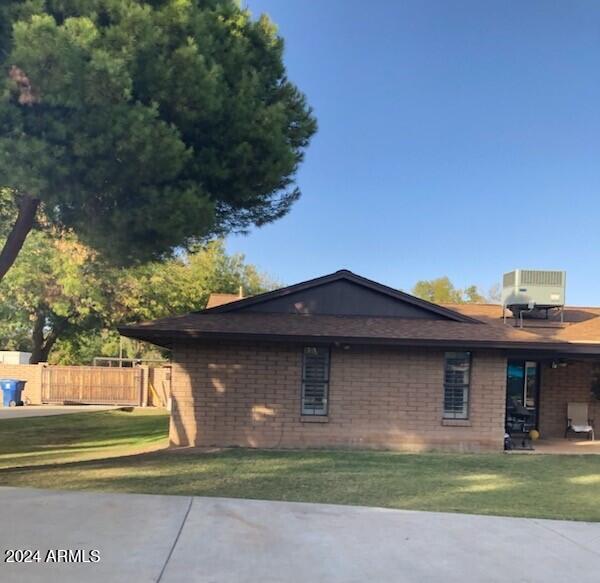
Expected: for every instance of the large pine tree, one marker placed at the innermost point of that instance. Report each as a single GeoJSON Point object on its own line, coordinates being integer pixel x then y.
{"type": "Point", "coordinates": [145, 125]}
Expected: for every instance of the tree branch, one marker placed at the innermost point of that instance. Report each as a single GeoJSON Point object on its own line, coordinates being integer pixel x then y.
{"type": "Point", "coordinates": [28, 206]}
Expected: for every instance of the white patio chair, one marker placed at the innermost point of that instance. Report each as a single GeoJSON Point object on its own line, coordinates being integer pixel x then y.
{"type": "Point", "coordinates": [578, 419]}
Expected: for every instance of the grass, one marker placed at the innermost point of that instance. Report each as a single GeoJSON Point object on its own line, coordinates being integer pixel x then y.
{"type": "Point", "coordinates": [109, 451]}
{"type": "Point", "coordinates": [75, 437]}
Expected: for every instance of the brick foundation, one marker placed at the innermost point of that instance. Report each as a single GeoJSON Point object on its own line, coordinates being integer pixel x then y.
{"type": "Point", "coordinates": [387, 398]}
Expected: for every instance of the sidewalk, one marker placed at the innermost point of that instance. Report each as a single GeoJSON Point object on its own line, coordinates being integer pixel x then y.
{"type": "Point", "coordinates": [173, 539]}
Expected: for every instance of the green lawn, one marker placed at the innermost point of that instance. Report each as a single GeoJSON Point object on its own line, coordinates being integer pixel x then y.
{"type": "Point", "coordinates": [55, 452]}
{"type": "Point", "coordinates": [78, 436]}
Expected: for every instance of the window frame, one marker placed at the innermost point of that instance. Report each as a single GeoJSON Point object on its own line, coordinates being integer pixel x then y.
{"type": "Point", "coordinates": [326, 382]}
{"type": "Point", "coordinates": [453, 415]}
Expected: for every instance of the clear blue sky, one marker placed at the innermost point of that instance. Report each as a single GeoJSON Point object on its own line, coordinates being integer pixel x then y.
{"type": "Point", "coordinates": [455, 138]}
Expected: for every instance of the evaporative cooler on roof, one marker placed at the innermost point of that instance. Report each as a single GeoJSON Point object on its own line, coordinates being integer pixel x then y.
{"type": "Point", "coordinates": [527, 291]}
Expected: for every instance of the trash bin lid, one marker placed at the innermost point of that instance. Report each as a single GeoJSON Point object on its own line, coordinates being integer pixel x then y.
{"type": "Point", "coordinates": [9, 383]}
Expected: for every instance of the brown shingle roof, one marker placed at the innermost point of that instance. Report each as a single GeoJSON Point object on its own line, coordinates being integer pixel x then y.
{"type": "Point", "coordinates": [359, 329]}
{"type": "Point", "coordinates": [581, 324]}
{"type": "Point", "coordinates": [462, 325]}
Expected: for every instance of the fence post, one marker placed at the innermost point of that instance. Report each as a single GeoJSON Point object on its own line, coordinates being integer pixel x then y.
{"type": "Point", "coordinates": [40, 381]}
{"type": "Point", "coordinates": [144, 369]}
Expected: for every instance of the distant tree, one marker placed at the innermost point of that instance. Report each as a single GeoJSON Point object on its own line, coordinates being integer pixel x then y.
{"type": "Point", "coordinates": [145, 126]}
{"type": "Point", "coordinates": [160, 289]}
{"type": "Point", "coordinates": [55, 289]}
{"type": "Point", "coordinates": [183, 284]}
{"type": "Point", "coordinates": [471, 295]}
{"type": "Point", "coordinates": [439, 290]}
{"type": "Point", "coordinates": [61, 302]}
{"type": "Point", "coordinates": [494, 295]}
{"type": "Point", "coordinates": [442, 291]}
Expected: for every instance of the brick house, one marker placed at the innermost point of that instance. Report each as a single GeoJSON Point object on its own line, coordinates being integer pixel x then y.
{"type": "Point", "coordinates": [343, 361]}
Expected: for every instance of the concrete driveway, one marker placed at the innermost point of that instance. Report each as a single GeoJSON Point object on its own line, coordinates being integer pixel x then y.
{"type": "Point", "coordinates": [174, 539]}
{"type": "Point", "coordinates": [47, 410]}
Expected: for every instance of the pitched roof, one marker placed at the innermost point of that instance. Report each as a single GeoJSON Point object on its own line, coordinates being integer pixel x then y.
{"type": "Point", "coordinates": [322, 326]}
{"type": "Point", "coordinates": [345, 275]}
{"type": "Point", "coordinates": [461, 325]}
{"type": "Point", "coordinates": [350, 329]}
{"type": "Point", "coordinates": [580, 324]}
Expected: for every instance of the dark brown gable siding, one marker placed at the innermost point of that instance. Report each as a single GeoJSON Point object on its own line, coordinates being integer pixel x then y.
{"type": "Point", "coordinates": [359, 282]}
{"type": "Point", "coordinates": [342, 298]}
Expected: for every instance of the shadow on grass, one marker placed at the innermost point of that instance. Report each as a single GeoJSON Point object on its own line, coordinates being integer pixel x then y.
{"type": "Point", "coordinates": [543, 487]}
{"type": "Point", "coordinates": [79, 464]}
{"type": "Point", "coordinates": [100, 430]}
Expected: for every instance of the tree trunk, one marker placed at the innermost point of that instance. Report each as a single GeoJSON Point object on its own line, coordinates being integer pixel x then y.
{"type": "Point", "coordinates": [28, 206]}
{"type": "Point", "coordinates": [43, 344]}
{"type": "Point", "coordinates": [37, 339]}
{"type": "Point", "coordinates": [45, 352]}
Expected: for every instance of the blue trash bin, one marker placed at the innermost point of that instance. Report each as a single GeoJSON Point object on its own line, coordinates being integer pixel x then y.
{"type": "Point", "coordinates": [11, 392]}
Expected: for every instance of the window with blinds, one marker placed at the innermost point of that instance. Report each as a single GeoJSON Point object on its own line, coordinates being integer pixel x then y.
{"type": "Point", "coordinates": [457, 377]}
{"type": "Point", "coordinates": [315, 381]}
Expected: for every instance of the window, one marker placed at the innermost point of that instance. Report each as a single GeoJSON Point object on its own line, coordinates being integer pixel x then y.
{"type": "Point", "coordinates": [315, 381]}
{"type": "Point", "coordinates": [456, 385]}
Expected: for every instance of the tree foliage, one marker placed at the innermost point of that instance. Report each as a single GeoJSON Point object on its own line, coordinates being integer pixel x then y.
{"type": "Point", "coordinates": [147, 125]}
{"type": "Point", "coordinates": [442, 291]}
{"type": "Point", "coordinates": [55, 289]}
{"type": "Point", "coordinates": [62, 302]}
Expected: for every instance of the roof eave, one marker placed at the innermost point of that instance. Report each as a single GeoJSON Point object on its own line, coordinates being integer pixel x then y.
{"type": "Point", "coordinates": [167, 338]}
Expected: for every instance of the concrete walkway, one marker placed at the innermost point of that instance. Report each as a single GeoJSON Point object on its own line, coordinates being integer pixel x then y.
{"type": "Point", "coordinates": [181, 539]}
{"type": "Point", "coordinates": [47, 410]}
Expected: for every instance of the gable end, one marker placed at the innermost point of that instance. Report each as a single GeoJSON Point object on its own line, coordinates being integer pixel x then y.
{"type": "Point", "coordinates": [342, 293]}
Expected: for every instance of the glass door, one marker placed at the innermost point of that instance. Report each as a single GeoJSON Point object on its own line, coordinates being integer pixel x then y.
{"type": "Point", "coordinates": [521, 396]}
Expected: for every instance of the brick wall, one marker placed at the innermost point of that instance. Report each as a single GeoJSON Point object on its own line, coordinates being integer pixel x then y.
{"type": "Point", "coordinates": [32, 373]}
{"type": "Point", "coordinates": [562, 385]}
{"type": "Point", "coordinates": [249, 395]}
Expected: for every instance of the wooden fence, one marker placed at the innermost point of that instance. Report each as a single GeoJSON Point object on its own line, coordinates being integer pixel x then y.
{"type": "Point", "coordinates": [92, 385]}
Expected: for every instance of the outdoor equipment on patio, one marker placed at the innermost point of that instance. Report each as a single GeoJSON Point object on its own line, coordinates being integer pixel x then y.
{"type": "Point", "coordinates": [519, 418]}
{"type": "Point", "coordinates": [578, 419]}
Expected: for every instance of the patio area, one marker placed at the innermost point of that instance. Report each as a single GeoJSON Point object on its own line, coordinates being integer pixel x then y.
{"type": "Point", "coordinates": [563, 446]}
{"type": "Point", "coordinates": [545, 396]}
